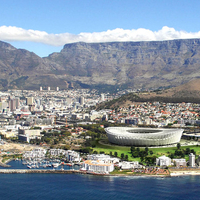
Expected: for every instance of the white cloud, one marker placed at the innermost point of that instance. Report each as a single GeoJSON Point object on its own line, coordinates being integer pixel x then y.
{"type": "Point", "coordinates": [12, 33]}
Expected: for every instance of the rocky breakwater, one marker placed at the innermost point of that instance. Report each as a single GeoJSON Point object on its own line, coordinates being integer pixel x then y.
{"type": "Point", "coordinates": [4, 164]}
{"type": "Point", "coordinates": [30, 171]}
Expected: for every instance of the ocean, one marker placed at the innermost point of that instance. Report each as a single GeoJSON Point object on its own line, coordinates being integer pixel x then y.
{"type": "Point", "coordinates": [76, 186]}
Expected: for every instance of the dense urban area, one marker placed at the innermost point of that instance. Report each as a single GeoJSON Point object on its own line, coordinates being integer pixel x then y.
{"type": "Point", "coordinates": [51, 128]}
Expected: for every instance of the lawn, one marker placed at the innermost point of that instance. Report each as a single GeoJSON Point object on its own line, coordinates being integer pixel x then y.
{"type": "Point", "coordinates": [107, 148]}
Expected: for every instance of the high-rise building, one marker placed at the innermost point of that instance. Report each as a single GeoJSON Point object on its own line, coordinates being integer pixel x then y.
{"type": "Point", "coordinates": [48, 88]}
{"type": "Point", "coordinates": [102, 97]}
{"type": "Point", "coordinates": [12, 104]}
{"type": "Point", "coordinates": [191, 160]}
{"type": "Point", "coordinates": [29, 101]}
{"type": "Point", "coordinates": [57, 88]}
{"type": "Point", "coordinates": [3, 105]}
{"type": "Point", "coordinates": [81, 100]}
{"type": "Point", "coordinates": [40, 89]}
{"type": "Point", "coordinates": [17, 102]}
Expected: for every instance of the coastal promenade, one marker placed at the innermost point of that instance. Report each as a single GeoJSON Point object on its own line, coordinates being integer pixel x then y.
{"type": "Point", "coordinates": [184, 172]}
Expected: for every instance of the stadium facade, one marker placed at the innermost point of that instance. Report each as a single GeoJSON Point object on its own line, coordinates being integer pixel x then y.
{"type": "Point", "coordinates": [128, 136]}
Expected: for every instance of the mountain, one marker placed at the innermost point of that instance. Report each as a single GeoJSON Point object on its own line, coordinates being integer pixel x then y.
{"type": "Point", "coordinates": [134, 64]}
{"type": "Point", "coordinates": [147, 65]}
{"type": "Point", "coordinates": [22, 69]}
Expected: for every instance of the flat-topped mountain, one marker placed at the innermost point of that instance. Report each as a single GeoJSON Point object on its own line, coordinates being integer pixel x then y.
{"type": "Point", "coordinates": [118, 64]}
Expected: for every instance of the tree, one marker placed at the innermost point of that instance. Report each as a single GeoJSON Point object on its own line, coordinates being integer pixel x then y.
{"type": "Point", "coordinates": [135, 154]}
{"type": "Point", "coordinates": [110, 153]}
{"type": "Point", "coordinates": [151, 152]}
{"type": "Point", "coordinates": [66, 147]}
{"type": "Point", "coordinates": [132, 149]}
{"type": "Point", "coordinates": [146, 149]}
{"type": "Point", "coordinates": [122, 156]}
{"type": "Point", "coordinates": [115, 154]}
{"type": "Point", "coordinates": [187, 151]}
{"type": "Point", "coordinates": [126, 157]}
{"type": "Point", "coordinates": [178, 145]}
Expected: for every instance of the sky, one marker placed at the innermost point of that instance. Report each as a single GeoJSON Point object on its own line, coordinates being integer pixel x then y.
{"type": "Point", "coordinates": [45, 26]}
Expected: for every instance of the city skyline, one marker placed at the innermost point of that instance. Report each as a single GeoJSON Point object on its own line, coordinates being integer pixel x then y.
{"type": "Point", "coordinates": [44, 27]}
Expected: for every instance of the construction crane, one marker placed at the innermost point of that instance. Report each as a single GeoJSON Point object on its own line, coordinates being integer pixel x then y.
{"type": "Point", "coordinates": [55, 120]}
{"type": "Point", "coordinates": [66, 123]}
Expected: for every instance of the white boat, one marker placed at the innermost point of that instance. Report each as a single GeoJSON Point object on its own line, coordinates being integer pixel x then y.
{"type": "Point", "coordinates": [55, 164]}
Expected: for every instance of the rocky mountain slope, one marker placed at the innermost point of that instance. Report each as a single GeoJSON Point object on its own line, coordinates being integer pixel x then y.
{"type": "Point", "coordinates": [119, 64]}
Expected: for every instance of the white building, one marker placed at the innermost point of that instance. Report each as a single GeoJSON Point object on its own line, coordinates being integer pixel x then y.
{"type": "Point", "coordinates": [163, 161]}
{"type": "Point", "coordinates": [180, 162]}
{"type": "Point", "coordinates": [102, 97]}
{"type": "Point", "coordinates": [103, 157]}
{"type": "Point", "coordinates": [36, 153]}
{"type": "Point", "coordinates": [72, 156]}
{"type": "Point", "coordinates": [28, 134]}
{"type": "Point", "coordinates": [129, 165]}
{"type": "Point", "coordinates": [97, 166]}
{"type": "Point", "coordinates": [57, 152]}
{"type": "Point", "coordinates": [192, 160]}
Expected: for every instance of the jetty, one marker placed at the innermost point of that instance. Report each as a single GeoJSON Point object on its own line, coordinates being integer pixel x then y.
{"type": "Point", "coordinates": [39, 171]}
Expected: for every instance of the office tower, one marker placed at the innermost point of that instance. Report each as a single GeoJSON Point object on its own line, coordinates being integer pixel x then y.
{"type": "Point", "coordinates": [81, 100]}
{"type": "Point", "coordinates": [29, 101]}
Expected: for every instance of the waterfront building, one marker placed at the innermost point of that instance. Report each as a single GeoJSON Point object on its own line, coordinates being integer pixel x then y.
{"type": "Point", "coordinates": [129, 165]}
{"type": "Point", "coordinates": [180, 162]}
{"type": "Point", "coordinates": [36, 153]}
{"type": "Point", "coordinates": [72, 156]}
{"type": "Point", "coordinates": [57, 152]}
{"type": "Point", "coordinates": [191, 160]}
{"type": "Point", "coordinates": [103, 157]}
{"type": "Point", "coordinates": [163, 161]}
{"type": "Point", "coordinates": [97, 157]}
{"type": "Point", "coordinates": [97, 166]}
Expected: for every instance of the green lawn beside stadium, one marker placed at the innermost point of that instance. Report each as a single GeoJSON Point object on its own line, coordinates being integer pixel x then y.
{"type": "Point", "coordinates": [104, 146]}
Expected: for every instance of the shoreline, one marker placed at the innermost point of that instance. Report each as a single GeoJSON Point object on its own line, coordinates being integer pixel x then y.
{"type": "Point", "coordinates": [49, 171]}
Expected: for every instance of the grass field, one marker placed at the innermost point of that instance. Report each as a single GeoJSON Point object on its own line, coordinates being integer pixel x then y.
{"type": "Point", "coordinates": [107, 148]}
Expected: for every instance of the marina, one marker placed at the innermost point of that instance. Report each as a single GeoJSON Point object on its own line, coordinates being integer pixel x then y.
{"type": "Point", "coordinates": [52, 165]}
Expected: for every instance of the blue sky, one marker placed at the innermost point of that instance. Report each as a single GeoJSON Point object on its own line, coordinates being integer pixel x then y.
{"type": "Point", "coordinates": [44, 26]}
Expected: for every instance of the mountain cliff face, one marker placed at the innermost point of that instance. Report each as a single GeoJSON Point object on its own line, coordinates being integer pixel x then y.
{"type": "Point", "coordinates": [132, 64]}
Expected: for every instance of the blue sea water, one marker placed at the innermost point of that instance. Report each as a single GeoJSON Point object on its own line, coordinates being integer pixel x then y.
{"type": "Point", "coordinates": [76, 186]}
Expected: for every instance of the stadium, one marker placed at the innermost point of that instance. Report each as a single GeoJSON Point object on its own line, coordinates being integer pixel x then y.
{"type": "Point", "coordinates": [128, 136]}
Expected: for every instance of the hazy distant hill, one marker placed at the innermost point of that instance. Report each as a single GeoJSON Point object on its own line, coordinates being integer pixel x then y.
{"type": "Point", "coordinates": [188, 92]}
{"type": "Point", "coordinates": [119, 64]}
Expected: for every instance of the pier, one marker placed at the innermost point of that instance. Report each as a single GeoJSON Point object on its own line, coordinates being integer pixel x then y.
{"type": "Point", "coordinates": [39, 171]}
